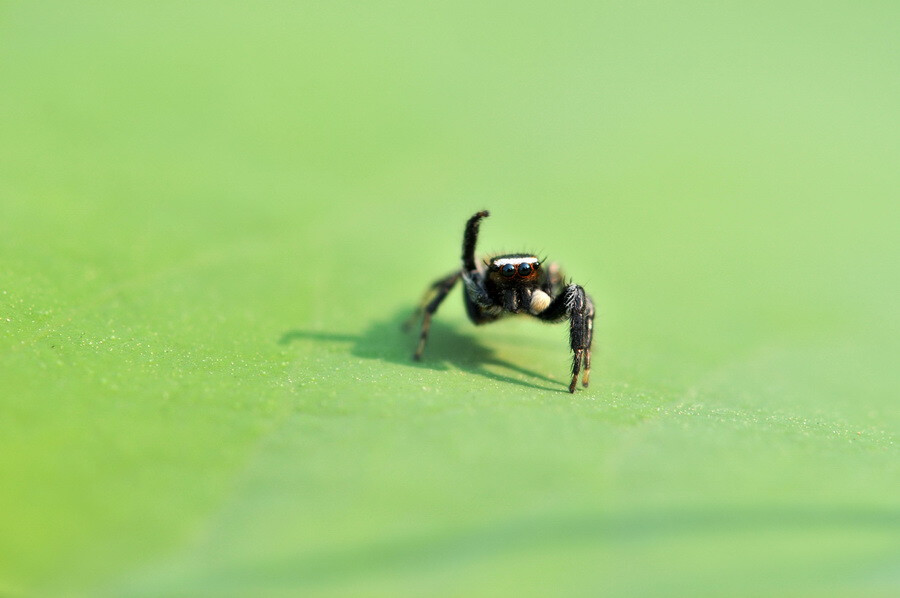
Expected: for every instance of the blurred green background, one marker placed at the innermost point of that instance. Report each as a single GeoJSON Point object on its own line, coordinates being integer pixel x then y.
{"type": "Point", "coordinates": [214, 215]}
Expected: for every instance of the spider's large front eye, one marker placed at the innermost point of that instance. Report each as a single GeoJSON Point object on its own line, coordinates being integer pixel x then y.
{"type": "Point", "coordinates": [508, 270]}
{"type": "Point", "coordinates": [524, 269]}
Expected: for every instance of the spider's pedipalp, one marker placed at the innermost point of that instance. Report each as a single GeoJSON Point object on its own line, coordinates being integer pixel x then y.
{"type": "Point", "coordinates": [539, 301]}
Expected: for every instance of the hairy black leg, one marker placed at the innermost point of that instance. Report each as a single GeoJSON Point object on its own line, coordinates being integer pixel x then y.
{"type": "Point", "coordinates": [443, 289]}
{"type": "Point", "coordinates": [432, 290]}
{"type": "Point", "coordinates": [577, 331]}
{"type": "Point", "coordinates": [573, 304]}
{"type": "Point", "coordinates": [472, 278]}
{"type": "Point", "coordinates": [561, 306]}
{"type": "Point", "coordinates": [470, 237]}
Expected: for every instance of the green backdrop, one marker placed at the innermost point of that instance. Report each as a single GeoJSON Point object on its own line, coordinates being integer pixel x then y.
{"type": "Point", "coordinates": [214, 216]}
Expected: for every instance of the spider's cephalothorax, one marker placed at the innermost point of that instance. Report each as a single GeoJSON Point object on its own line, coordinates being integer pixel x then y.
{"type": "Point", "coordinates": [515, 283]}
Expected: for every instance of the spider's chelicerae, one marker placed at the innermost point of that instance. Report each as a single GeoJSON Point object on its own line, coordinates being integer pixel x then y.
{"type": "Point", "coordinates": [512, 284]}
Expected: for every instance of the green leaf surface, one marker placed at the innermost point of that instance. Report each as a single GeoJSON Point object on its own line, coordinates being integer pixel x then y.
{"type": "Point", "coordinates": [214, 217]}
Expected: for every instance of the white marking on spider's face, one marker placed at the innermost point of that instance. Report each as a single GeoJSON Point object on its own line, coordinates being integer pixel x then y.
{"type": "Point", "coordinates": [514, 260]}
{"type": "Point", "coordinates": [539, 301]}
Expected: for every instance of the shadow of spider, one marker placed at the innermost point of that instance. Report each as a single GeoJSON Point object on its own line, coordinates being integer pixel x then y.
{"type": "Point", "coordinates": [385, 340]}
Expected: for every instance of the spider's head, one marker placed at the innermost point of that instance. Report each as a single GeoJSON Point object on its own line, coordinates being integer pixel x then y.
{"type": "Point", "coordinates": [514, 280]}
{"type": "Point", "coordinates": [514, 270]}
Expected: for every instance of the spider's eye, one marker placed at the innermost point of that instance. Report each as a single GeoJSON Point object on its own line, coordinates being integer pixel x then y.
{"type": "Point", "coordinates": [524, 269]}
{"type": "Point", "coordinates": [508, 270]}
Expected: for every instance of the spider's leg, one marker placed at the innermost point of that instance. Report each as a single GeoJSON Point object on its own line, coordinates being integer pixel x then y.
{"type": "Point", "coordinates": [476, 297]}
{"type": "Point", "coordinates": [469, 239]}
{"type": "Point", "coordinates": [428, 295]}
{"type": "Point", "coordinates": [573, 304]}
{"type": "Point", "coordinates": [589, 324]}
{"type": "Point", "coordinates": [443, 288]}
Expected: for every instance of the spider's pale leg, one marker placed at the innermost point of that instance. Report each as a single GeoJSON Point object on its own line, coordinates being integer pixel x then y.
{"type": "Point", "coordinates": [589, 326]}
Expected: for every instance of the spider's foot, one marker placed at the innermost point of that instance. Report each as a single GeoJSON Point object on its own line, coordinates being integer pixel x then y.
{"type": "Point", "coordinates": [417, 356]}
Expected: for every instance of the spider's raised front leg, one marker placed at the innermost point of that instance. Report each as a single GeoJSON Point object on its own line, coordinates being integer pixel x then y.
{"type": "Point", "coordinates": [470, 238]}
{"type": "Point", "coordinates": [429, 304]}
{"type": "Point", "coordinates": [476, 298]}
{"type": "Point", "coordinates": [574, 304]}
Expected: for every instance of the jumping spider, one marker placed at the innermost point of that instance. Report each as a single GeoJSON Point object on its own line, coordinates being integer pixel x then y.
{"type": "Point", "coordinates": [511, 284]}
